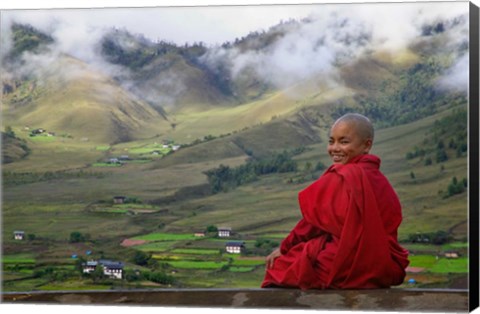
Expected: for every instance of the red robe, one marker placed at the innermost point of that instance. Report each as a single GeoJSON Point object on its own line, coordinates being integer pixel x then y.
{"type": "Point", "coordinates": [347, 238]}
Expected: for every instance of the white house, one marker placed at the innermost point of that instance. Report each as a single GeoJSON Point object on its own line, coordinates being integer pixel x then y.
{"type": "Point", "coordinates": [119, 199]}
{"type": "Point", "coordinates": [452, 255]}
{"type": "Point", "coordinates": [224, 232]}
{"type": "Point", "coordinates": [89, 266]}
{"type": "Point", "coordinates": [112, 269]}
{"type": "Point", "coordinates": [199, 234]}
{"type": "Point", "coordinates": [19, 235]}
{"type": "Point", "coordinates": [235, 247]}
{"type": "Point", "coordinates": [114, 161]}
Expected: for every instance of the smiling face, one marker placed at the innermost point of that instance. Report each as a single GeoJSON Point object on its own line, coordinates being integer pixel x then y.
{"type": "Point", "coordinates": [347, 141]}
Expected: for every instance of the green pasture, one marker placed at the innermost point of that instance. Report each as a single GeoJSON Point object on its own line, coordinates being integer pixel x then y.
{"type": "Point", "coordinates": [280, 236]}
{"type": "Point", "coordinates": [440, 265]}
{"type": "Point", "coordinates": [24, 285]}
{"type": "Point", "coordinates": [165, 237]}
{"type": "Point", "coordinates": [166, 256]}
{"type": "Point", "coordinates": [156, 246]}
{"type": "Point", "coordinates": [18, 259]}
{"type": "Point", "coordinates": [444, 265]}
{"type": "Point", "coordinates": [236, 269]}
{"type": "Point", "coordinates": [106, 164]}
{"type": "Point", "coordinates": [196, 251]}
{"type": "Point", "coordinates": [102, 148]}
{"type": "Point", "coordinates": [197, 264]}
{"type": "Point", "coordinates": [426, 261]}
{"type": "Point", "coordinates": [455, 245]}
{"type": "Point", "coordinates": [18, 270]}
{"type": "Point", "coordinates": [149, 149]}
{"type": "Point", "coordinates": [247, 262]}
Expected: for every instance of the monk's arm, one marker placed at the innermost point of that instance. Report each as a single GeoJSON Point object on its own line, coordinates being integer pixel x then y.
{"type": "Point", "coordinates": [270, 259]}
{"type": "Point", "coordinates": [302, 232]}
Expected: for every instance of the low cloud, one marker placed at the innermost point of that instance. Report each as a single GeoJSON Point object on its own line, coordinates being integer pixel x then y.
{"type": "Point", "coordinates": [337, 35]}
{"type": "Point", "coordinates": [456, 77]}
{"type": "Point", "coordinates": [329, 35]}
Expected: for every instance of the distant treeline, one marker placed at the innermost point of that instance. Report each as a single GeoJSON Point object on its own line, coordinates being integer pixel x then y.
{"type": "Point", "coordinates": [455, 187]}
{"type": "Point", "coordinates": [144, 51]}
{"type": "Point", "coordinates": [224, 178]}
{"type": "Point", "coordinates": [447, 137]}
{"type": "Point", "coordinates": [438, 237]}
{"type": "Point", "coordinates": [413, 94]}
{"type": "Point", "coordinates": [26, 38]}
{"type": "Point", "coordinates": [9, 137]}
{"type": "Point", "coordinates": [11, 178]}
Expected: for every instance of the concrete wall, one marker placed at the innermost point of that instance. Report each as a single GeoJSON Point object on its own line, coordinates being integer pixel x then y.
{"type": "Point", "coordinates": [415, 300]}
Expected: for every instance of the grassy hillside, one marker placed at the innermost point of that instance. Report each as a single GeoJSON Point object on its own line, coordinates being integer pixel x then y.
{"type": "Point", "coordinates": [424, 207]}
{"type": "Point", "coordinates": [74, 100]}
{"type": "Point", "coordinates": [81, 200]}
{"type": "Point", "coordinates": [13, 148]}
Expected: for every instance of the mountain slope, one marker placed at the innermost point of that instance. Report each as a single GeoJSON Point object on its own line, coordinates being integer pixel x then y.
{"type": "Point", "coordinates": [162, 74]}
{"type": "Point", "coordinates": [72, 98]}
{"type": "Point", "coordinates": [13, 148]}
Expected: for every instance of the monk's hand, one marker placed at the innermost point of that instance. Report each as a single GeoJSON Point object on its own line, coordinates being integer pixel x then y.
{"type": "Point", "coordinates": [270, 259]}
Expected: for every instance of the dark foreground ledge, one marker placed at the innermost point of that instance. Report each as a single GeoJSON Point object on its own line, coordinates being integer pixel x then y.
{"type": "Point", "coordinates": [416, 300]}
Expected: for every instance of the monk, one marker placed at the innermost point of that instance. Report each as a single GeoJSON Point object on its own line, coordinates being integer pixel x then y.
{"type": "Point", "coordinates": [347, 237]}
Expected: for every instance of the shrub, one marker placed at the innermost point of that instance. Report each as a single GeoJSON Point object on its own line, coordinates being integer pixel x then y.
{"type": "Point", "coordinates": [76, 237]}
{"type": "Point", "coordinates": [159, 277]}
{"type": "Point", "coordinates": [456, 187]}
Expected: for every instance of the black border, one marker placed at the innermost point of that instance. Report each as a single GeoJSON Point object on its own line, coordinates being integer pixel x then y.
{"type": "Point", "coordinates": [474, 221]}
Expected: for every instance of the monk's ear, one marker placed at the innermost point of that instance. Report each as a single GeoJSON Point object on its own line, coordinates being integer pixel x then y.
{"type": "Point", "coordinates": [368, 145]}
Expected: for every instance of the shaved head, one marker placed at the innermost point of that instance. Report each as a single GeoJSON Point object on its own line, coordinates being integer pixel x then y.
{"type": "Point", "coordinates": [361, 123]}
{"type": "Point", "coordinates": [350, 136]}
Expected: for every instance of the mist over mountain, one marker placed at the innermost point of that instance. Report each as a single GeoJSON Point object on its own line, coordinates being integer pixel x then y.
{"type": "Point", "coordinates": [394, 71]}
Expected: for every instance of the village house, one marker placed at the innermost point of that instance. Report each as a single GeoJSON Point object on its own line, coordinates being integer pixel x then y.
{"type": "Point", "coordinates": [112, 269]}
{"type": "Point", "coordinates": [113, 161]}
{"type": "Point", "coordinates": [38, 131]}
{"type": "Point", "coordinates": [119, 199]}
{"type": "Point", "coordinates": [19, 235]}
{"type": "Point", "coordinates": [199, 234]}
{"type": "Point", "coordinates": [235, 247]}
{"type": "Point", "coordinates": [123, 158]}
{"type": "Point", "coordinates": [224, 232]}
{"type": "Point", "coordinates": [452, 254]}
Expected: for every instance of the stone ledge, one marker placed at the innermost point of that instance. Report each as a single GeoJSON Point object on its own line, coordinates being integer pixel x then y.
{"type": "Point", "coordinates": [417, 300]}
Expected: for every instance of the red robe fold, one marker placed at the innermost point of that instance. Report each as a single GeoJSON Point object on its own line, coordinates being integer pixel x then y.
{"type": "Point", "coordinates": [347, 238]}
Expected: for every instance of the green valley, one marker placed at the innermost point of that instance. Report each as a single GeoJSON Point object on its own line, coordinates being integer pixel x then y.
{"type": "Point", "coordinates": [144, 165]}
